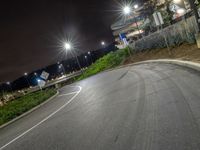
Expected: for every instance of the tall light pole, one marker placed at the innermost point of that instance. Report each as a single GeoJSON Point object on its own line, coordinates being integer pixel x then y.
{"type": "Point", "coordinates": [103, 43]}
{"type": "Point", "coordinates": [26, 77]}
{"type": "Point", "coordinates": [86, 58]}
{"type": "Point", "coordinates": [89, 53]}
{"type": "Point", "coordinates": [127, 10]}
{"type": "Point", "coordinates": [10, 86]}
{"type": "Point", "coordinates": [35, 74]}
{"type": "Point", "coordinates": [69, 47]}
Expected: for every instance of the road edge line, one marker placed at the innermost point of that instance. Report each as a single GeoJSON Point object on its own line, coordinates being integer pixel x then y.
{"type": "Point", "coordinates": [42, 121]}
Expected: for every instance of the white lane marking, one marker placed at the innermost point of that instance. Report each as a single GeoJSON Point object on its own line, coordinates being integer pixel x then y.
{"type": "Point", "coordinates": [45, 119]}
{"type": "Point", "coordinates": [67, 94]}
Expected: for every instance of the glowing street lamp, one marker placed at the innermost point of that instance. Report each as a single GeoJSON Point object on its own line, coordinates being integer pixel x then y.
{"type": "Point", "coordinates": [26, 75]}
{"type": "Point", "coordinates": [103, 43]}
{"type": "Point", "coordinates": [68, 46]}
{"type": "Point", "coordinates": [127, 10]}
{"type": "Point", "coordinates": [9, 84]}
{"type": "Point", "coordinates": [89, 53]}
{"type": "Point", "coordinates": [136, 6]}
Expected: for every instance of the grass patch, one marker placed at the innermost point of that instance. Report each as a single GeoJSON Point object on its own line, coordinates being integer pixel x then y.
{"type": "Point", "coordinates": [21, 105]}
{"type": "Point", "coordinates": [108, 61]}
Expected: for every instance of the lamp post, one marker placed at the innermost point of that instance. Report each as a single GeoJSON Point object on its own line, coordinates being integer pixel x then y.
{"type": "Point", "coordinates": [26, 75]}
{"type": "Point", "coordinates": [35, 74]}
{"type": "Point", "coordinates": [128, 10]}
{"type": "Point", "coordinates": [10, 86]}
{"type": "Point", "coordinates": [69, 47]}
{"type": "Point", "coordinates": [86, 58]}
{"type": "Point", "coordinates": [103, 43]}
{"type": "Point", "coordinates": [91, 59]}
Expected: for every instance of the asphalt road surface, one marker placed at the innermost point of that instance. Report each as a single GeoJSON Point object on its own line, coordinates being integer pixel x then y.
{"type": "Point", "coordinates": [144, 107]}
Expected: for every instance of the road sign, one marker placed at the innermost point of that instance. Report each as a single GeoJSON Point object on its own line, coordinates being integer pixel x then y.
{"type": "Point", "coordinates": [158, 18]}
{"type": "Point", "coordinates": [123, 38]}
{"type": "Point", "coordinates": [44, 75]}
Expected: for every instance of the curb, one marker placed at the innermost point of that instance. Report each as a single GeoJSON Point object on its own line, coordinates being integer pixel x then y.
{"type": "Point", "coordinates": [188, 64]}
{"type": "Point", "coordinates": [28, 112]}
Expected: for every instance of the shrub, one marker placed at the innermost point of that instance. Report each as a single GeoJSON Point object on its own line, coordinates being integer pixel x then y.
{"type": "Point", "coordinates": [20, 105]}
{"type": "Point", "coordinates": [108, 61]}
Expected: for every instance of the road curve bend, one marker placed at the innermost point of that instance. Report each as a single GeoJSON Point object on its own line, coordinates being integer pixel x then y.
{"type": "Point", "coordinates": [143, 107]}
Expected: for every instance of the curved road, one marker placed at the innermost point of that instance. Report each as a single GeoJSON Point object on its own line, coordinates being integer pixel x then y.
{"type": "Point", "coordinates": [143, 107]}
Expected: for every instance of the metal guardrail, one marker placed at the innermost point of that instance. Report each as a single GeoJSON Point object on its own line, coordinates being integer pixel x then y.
{"type": "Point", "coordinates": [51, 84]}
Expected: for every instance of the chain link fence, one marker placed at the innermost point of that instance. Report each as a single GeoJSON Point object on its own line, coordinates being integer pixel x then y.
{"type": "Point", "coordinates": [182, 31]}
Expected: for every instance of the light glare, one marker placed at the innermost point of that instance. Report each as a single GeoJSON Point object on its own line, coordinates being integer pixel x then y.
{"type": "Point", "coordinates": [127, 10]}
{"type": "Point", "coordinates": [103, 43]}
{"type": "Point", "coordinates": [67, 46]}
{"type": "Point", "coordinates": [135, 6]}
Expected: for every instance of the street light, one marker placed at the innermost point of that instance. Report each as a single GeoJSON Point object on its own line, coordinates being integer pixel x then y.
{"type": "Point", "coordinates": [91, 59]}
{"type": "Point", "coordinates": [68, 46]}
{"type": "Point", "coordinates": [103, 43]}
{"type": "Point", "coordinates": [87, 60]}
{"type": "Point", "coordinates": [26, 75]}
{"type": "Point", "coordinates": [9, 84]}
{"type": "Point", "coordinates": [136, 6]}
{"type": "Point", "coordinates": [127, 10]}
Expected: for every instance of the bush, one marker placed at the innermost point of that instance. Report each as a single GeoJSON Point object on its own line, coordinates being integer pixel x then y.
{"type": "Point", "coordinates": [108, 61]}
{"type": "Point", "coordinates": [20, 105]}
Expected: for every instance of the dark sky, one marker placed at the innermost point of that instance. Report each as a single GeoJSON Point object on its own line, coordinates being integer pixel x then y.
{"type": "Point", "coordinates": [30, 31]}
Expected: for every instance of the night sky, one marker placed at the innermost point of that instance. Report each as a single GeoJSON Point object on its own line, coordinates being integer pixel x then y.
{"type": "Point", "coordinates": [30, 31]}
